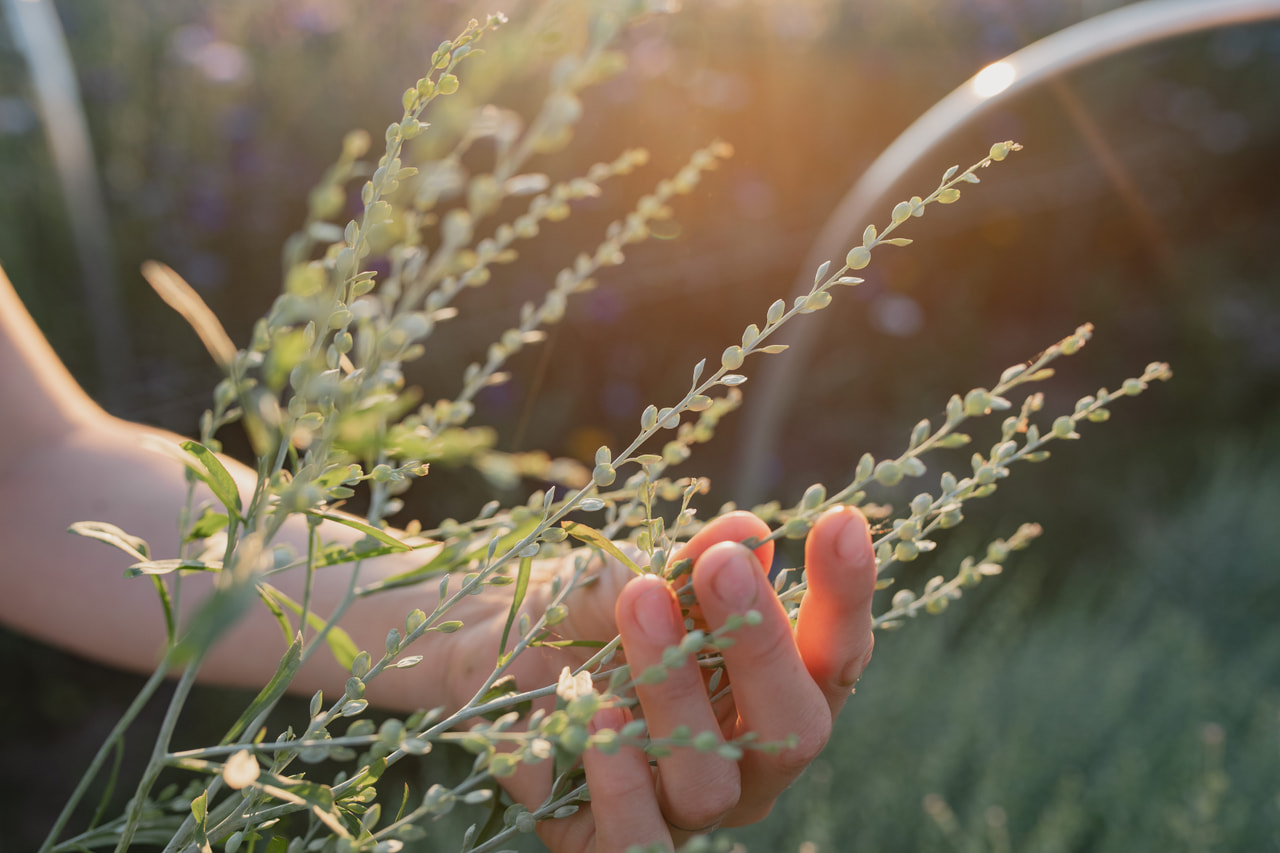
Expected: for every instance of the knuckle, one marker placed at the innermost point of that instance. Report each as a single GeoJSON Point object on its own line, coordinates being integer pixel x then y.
{"type": "Point", "coordinates": [866, 655]}
{"type": "Point", "coordinates": [766, 652]}
{"type": "Point", "coordinates": [807, 744]}
{"type": "Point", "coordinates": [620, 787]}
{"type": "Point", "coordinates": [754, 814]}
{"type": "Point", "coordinates": [846, 678]}
{"type": "Point", "coordinates": [703, 804]}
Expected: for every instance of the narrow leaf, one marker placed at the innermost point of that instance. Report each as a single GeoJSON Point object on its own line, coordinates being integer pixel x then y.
{"type": "Point", "coordinates": [269, 694]}
{"type": "Point", "coordinates": [517, 598]}
{"type": "Point", "coordinates": [564, 644]}
{"type": "Point", "coordinates": [134, 546]}
{"type": "Point", "coordinates": [166, 604]}
{"type": "Point", "coordinates": [209, 523]}
{"type": "Point", "coordinates": [593, 537]}
{"type": "Point", "coordinates": [285, 626]}
{"type": "Point", "coordinates": [164, 567]}
{"type": "Point", "coordinates": [336, 555]}
{"type": "Point", "coordinates": [339, 641]}
{"type": "Point", "coordinates": [451, 557]}
{"type": "Point", "coordinates": [211, 470]}
{"type": "Point", "coordinates": [368, 529]}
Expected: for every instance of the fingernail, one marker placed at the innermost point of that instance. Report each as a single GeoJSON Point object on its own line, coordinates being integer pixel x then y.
{"type": "Point", "coordinates": [655, 613]}
{"type": "Point", "coordinates": [852, 544]}
{"type": "Point", "coordinates": [609, 717]}
{"type": "Point", "coordinates": [733, 575]}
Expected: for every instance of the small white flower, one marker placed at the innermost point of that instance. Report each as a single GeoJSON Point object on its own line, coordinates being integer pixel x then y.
{"type": "Point", "coordinates": [240, 770]}
{"type": "Point", "coordinates": [572, 686]}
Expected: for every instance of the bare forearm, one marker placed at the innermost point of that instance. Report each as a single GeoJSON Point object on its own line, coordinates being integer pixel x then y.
{"type": "Point", "coordinates": [63, 460]}
{"type": "Point", "coordinates": [71, 592]}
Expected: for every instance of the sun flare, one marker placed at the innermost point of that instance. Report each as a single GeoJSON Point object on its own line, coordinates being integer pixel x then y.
{"type": "Point", "coordinates": [994, 79]}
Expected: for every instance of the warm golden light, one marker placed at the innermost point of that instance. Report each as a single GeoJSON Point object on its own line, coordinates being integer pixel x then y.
{"type": "Point", "coordinates": [994, 79]}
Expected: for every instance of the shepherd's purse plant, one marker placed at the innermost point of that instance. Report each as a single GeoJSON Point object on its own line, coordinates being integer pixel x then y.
{"type": "Point", "coordinates": [321, 393]}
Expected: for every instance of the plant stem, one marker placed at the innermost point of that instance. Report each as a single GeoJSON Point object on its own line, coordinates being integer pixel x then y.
{"type": "Point", "coordinates": [160, 751]}
{"type": "Point", "coordinates": [126, 720]}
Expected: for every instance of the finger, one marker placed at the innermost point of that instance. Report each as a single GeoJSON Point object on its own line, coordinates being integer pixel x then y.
{"type": "Point", "coordinates": [833, 631]}
{"type": "Point", "coordinates": [624, 808]}
{"type": "Point", "coordinates": [773, 692]}
{"type": "Point", "coordinates": [696, 788]}
{"type": "Point", "coordinates": [591, 605]}
{"type": "Point", "coordinates": [738, 526]}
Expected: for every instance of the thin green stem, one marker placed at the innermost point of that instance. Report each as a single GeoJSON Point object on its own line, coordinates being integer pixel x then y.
{"type": "Point", "coordinates": [159, 752]}
{"type": "Point", "coordinates": [121, 726]}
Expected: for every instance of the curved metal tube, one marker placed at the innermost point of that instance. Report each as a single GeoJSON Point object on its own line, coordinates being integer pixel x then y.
{"type": "Point", "coordinates": [39, 37]}
{"type": "Point", "coordinates": [1096, 38]}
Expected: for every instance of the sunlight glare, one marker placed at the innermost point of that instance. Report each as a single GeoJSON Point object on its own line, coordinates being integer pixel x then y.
{"type": "Point", "coordinates": [994, 79]}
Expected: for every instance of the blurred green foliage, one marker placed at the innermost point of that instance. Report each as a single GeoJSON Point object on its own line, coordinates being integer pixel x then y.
{"type": "Point", "coordinates": [1139, 710]}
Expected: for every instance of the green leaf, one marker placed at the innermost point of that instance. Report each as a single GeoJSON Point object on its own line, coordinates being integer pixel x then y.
{"type": "Point", "coordinates": [336, 555]}
{"type": "Point", "coordinates": [209, 523]}
{"type": "Point", "coordinates": [294, 790]}
{"type": "Point", "coordinates": [269, 694]}
{"type": "Point", "coordinates": [452, 556]}
{"type": "Point", "coordinates": [164, 567]}
{"type": "Point", "coordinates": [339, 641]}
{"type": "Point", "coordinates": [215, 476]}
{"type": "Point", "coordinates": [134, 546]}
{"type": "Point", "coordinates": [593, 537]}
{"type": "Point", "coordinates": [367, 529]}
{"type": "Point", "coordinates": [277, 612]}
{"type": "Point", "coordinates": [563, 644]}
{"type": "Point", "coordinates": [200, 807]}
{"type": "Point", "coordinates": [166, 603]}
{"type": "Point", "coordinates": [517, 598]}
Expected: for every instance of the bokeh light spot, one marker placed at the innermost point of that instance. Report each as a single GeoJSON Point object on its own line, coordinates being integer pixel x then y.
{"type": "Point", "coordinates": [994, 79]}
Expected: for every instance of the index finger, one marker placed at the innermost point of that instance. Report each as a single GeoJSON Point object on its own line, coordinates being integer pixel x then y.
{"type": "Point", "coordinates": [736, 526]}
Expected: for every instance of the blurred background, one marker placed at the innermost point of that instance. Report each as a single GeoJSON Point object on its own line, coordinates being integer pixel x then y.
{"type": "Point", "coordinates": [1116, 690]}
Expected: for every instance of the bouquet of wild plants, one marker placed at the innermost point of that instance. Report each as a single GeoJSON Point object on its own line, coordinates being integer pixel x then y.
{"type": "Point", "coordinates": [320, 390]}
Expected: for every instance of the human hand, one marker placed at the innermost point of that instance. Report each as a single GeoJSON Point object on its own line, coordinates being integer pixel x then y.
{"type": "Point", "coordinates": [787, 682]}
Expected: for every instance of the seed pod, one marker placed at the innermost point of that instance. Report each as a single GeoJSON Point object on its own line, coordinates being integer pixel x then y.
{"type": "Point", "coordinates": [604, 474]}
{"type": "Point", "coordinates": [888, 473]}
{"type": "Point", "coordinates": [776, 310]}
{"type": "Point", "coordinates": [814, 496]}
{"type": "Point", "coordinates": [858, 258]}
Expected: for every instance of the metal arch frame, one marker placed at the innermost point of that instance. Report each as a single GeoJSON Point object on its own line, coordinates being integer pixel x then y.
{"type": "Point", "coordinates": [38, 35]}
{"type": "Point", "coordinates": [1095, 38]}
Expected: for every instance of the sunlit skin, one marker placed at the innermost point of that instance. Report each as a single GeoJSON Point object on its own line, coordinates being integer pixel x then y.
{"type": "Point", "coordinates": [63, 460]}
